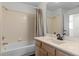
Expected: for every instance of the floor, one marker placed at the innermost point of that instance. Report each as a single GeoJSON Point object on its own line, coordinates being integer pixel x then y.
{"type": "Point", "coordinates": [32, 55]}
{"type": "Point", "coordinates": [29, 55]}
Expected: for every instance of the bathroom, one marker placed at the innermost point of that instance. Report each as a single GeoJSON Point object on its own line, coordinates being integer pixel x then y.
{"type": "Point", "coordinates": [32, 28]}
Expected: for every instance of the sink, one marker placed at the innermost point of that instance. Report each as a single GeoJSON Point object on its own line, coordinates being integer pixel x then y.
{"type": "Point", "coordinates": [52, 40]}
{"type": "Point", "coordinates": [58, 42]}
{"type": "Point", "coordinates": [55, 41]}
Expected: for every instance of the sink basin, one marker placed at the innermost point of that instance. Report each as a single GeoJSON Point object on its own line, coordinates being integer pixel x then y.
{"type": "Point", "coordinates": [53, 40]}
{"type": "Point", "coordinates": [56, 41]}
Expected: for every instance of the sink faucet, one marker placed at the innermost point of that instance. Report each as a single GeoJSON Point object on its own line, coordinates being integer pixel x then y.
{"type": "Point", "coordinates": [59, 37]}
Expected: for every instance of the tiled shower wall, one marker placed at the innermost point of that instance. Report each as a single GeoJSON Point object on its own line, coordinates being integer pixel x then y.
{"type": "Point", "coordinates": [17, 23]}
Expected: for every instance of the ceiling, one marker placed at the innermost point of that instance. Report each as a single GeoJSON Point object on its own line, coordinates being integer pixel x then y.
{"type": "Point", "coordinates": [56, 5]}
{"type": "Point", "coordinates": [64, 5]}
{"type": "Point", "coordinates": [35, 4]}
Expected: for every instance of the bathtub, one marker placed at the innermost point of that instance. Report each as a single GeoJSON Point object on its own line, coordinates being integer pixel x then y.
{"type": "Point", "coordinates": [18, 49]}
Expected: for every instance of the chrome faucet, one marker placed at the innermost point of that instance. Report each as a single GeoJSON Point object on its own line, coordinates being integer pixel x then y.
{"type": "Point", "coordinates": [59, 37]}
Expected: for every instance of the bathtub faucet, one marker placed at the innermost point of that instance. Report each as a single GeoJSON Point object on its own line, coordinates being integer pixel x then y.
{"type": "Point", "coordinates": [5, 43]}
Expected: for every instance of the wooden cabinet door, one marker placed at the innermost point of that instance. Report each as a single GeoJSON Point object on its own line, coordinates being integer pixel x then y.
{"type": "Point", "coordinates": [38, 43]}
{"type": "Point", "coordinates": [41, 52]}
{"type": "Point", "coordinates": [49, 49]}
{"type": "Point", "coordinates": [51, 54]}
{"type": "Point", "coordinates": [60, 53]}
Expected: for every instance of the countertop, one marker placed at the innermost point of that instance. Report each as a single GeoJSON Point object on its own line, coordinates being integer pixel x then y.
{"type": "Point", "coordinates": [71, 47]}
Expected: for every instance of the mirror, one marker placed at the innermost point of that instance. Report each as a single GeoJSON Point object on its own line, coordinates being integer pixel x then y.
{"type": "Point", "coordinates": [62, 18]}
{"type": "Point", "coordinates": [73, 25]}
{"type": "Point", "coordinates": [54, 21]}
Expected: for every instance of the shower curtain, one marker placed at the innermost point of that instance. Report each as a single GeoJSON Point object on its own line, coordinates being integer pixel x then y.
{"type": "Point", "coordinates": [39, 23]}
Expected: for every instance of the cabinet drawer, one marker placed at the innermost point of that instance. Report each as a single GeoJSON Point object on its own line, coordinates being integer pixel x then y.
{"type": "Point", "coordinates": [38, 43]}
{"type": "Point", "coordinates": [60, 53]}
{"type": "Point", "coordinates": [49, 49]}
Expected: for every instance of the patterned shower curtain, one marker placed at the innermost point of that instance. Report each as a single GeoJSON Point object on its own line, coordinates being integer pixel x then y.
{"type": "Point", "coordinates": [39, 23]}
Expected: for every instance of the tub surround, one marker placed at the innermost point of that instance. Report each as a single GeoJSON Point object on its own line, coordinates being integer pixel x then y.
{"type": "Point", "coordinates": [67, 46]}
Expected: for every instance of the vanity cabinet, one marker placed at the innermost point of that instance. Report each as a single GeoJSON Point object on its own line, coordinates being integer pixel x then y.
{"type": "Point", "coordinates": [43, 49]}
{"type": "Point", "coordinates": [40, 51]}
